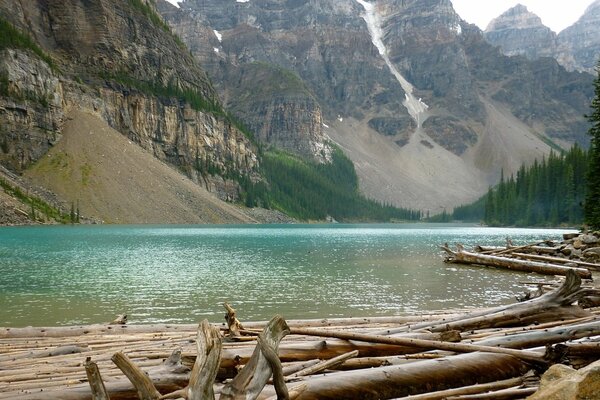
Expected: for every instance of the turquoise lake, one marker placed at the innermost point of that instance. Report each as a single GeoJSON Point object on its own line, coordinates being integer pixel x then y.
{"type": "Point", "coordinates": [62, 275]}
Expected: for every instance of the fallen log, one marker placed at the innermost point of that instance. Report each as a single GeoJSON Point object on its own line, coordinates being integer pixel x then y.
{"type": "Point", "coordinates": [473, 389]}
{"type": "Point", "coordinates": [416, 378]}
{"type": "Point", "coordinates": [421, 343]}
{"type": "Point", "coordinates": [582, 264]}
{"type": "Point", "coordinates": [464, 257]}
{"type": "Point", "coordinates": [506, 394]}
{"type": "Point", "coordinates": [252, 379]}
{"type": "Point", "coordinates": [323, 365]}
{"type": "Point", "coordinates": [551, 306]}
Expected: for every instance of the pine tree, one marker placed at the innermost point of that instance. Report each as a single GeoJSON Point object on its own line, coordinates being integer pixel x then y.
{"type": "Point", "coordinates": [592, 198]}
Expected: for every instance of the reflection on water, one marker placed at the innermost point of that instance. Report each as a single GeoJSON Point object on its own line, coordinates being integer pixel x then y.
{"type": "Point", "coordinates": [88, 274]}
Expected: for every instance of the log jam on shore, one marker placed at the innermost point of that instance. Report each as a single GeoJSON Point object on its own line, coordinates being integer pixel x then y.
{"type": "Point", "coordinates": [498, 352]}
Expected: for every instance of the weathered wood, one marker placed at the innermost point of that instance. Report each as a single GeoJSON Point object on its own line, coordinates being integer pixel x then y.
{"type": "Point", "coordinates": [299, 366]}
{"type": "Point", "coordinates": [421, 343]}
{"type": "Point", "coordinates": [95, 380]}
{"type": "Point", "coordinates": [121, 319]}
{"type": "Point", "coordinates": [142, 383]}
{"type": "Point", "coordinates": [278, 380]}
{"type": "Point", "coordinates": [251, 380]}
{"type": "Point", "coordinates": [582, 264]}
{"type": "Point", "coordinates": [416, 378]}
{"type": "Point", "coordinates": [551, 306]}
{"type": "Point", "coordinates": [332, 363]}
{"type": "Point", "coordinates": [464, 257]}
{"type": "Point", "coordinates": [208, 343]}
{"type": "Point", "coordinates": [83, 331]}
{"type": "Point", "coordinates": [506, 394]}
{"type": "Point", "coordinates": [472, 389]}
{"type": "Point", "coordinates": [233, 324]}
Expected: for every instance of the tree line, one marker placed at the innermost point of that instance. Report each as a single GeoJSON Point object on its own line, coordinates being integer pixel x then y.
{"type": "Point", "coordinates": [547, 193]}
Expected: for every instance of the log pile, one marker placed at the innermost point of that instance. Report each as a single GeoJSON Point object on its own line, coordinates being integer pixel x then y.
{"type": "Point", "coordinates": [496, 353]}
{"type": "Point", "coordinates": [579, 253]}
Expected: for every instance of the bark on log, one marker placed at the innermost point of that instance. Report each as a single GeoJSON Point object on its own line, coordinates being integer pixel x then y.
{"type": "Point", "coordinates": [416, 378]}
{"type": "Point", "coordinates": [464, 257]}
{"type": "Point", "coordinates": [271, 355]}
{"type": "Point", "coordinates": [326, 349]}
{"type": "Point", "coordinates": [472, 389]}
{"type": "Point", "coordinates": [95, 380]}
{"type": "Point", "coordinates": [251, 380]}
{"type": "Point", "coordinates": [202, 378]}
{"type": "Point", "coordinates": [506, 394]}
{"type": "Point", "coordinates": [142, 383]}
{"type": "Point", "coordinates": [421, 343]}
{"type": "Point", "coordinates": [327, 364]}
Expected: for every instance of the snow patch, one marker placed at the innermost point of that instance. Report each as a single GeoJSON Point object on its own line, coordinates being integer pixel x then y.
{"type": "Point", "coordinates": [325, 126]}
{"type": "Point", "coordinates": [218, 35]}
{"type": "Point", "coordinates": [216, 49]}
{"type": "Point", "coordinates": [340, 118]}
{"type": "Point", "coordinates": [456, 28]}
{"type": "Point", "coordinates": [242, 1]}
{"type": "Point", "coordinates": [415, 107]}
{"type": "Point", "coordinates": [175, 2]}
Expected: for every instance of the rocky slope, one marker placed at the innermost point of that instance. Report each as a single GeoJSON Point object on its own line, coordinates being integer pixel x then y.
{"type": "Point", "coordinates": [118, 60]}
{"type": "Point", "coordinates": [520, 32]}
{"type": "Point", "coordinates": [116, 181]}
{"type": "Point", "coordinates": [483, 111]}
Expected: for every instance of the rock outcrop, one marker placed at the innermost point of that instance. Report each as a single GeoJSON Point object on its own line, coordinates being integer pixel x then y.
{"type": "Point", "coordinates": [561, 382]}
{"type": "Point", "coordinates": [119, 60]}
{"type": "Point", "coordinates": [578, 46]}
{"type": "Point", "coordinates": [521, 32]}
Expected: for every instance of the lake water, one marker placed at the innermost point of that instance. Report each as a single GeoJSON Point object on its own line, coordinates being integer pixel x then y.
{"type": "Point", "coordinates": [59, 275]}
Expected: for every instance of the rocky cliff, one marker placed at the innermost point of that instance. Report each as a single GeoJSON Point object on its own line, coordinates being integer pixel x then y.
{"type": "Point", "coordinates": [520, 32]}
{"type": "Point", "coordinates": [119, 61]}
{"type": "Point", "coordinates": [578, 46]}
{"type": "Point", "coordinates": [366, 65]}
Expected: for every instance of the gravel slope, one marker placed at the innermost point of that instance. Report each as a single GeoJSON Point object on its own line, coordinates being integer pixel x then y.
{"type": "Point", "coordinates": [116, 181]}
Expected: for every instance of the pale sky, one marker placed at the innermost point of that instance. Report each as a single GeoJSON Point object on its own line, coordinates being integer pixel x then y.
{"type": "Point", "coordinates": [555, 14]}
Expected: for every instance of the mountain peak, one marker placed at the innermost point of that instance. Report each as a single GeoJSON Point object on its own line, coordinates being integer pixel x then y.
{"type": "Point", "coordinates": [517, 17]}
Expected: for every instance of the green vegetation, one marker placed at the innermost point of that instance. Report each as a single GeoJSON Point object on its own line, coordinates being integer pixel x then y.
{"type": "Point", "coordinates": [549, 193]}
{"type": "Point", "coordinates": [4, 84]}
{"type": "Point", "coordinates": [592, 197]}
{"type": "Point", "coordinates": [308, 190]}
{"type": "Point", "coordinates": [191, 96]}
{"type": "Point", "coordinates": [36, 204]}
{"type": "Point", "coordinates": [149, 13]}
{"type": "Point", "coordinates": [12, 38]}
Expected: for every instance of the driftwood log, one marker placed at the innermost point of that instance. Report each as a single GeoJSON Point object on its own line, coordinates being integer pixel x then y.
{"type": "Point", "coordinates": [416, 378]}
{"type": "Point", "coordinates": [462, 256]}
{"type": "Point", "coordinates": [249, 383]}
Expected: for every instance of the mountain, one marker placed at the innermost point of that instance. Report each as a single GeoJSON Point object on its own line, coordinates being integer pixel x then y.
{"type": "Point", "coordinates": [428, 111]}
{"type": "Point", "coordinates": [520, 32]}
{"type": "Point", "coordinates": [118, 61]}
{"type": "Point", "coordinates": [578, 46]}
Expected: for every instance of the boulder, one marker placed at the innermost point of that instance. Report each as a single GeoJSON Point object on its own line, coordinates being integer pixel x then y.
{"type": "Point", "coordinates": [565, 383]}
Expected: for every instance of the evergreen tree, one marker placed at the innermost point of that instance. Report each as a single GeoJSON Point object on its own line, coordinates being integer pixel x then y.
{"type": "Point", "coordinates": [592, 198]}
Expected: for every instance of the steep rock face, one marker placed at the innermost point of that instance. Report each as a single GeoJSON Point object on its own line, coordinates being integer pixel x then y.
{"type": "Point", "coordinates": [119, 60]}
{"type": "Point", "coordinates": [579, 45]}
{"type": "Point", "coordinates": [521, 32]}
{"type": "Point", "coordinates": [31, 108]}
{"type": "Point", "coordinates": [309, 38]}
